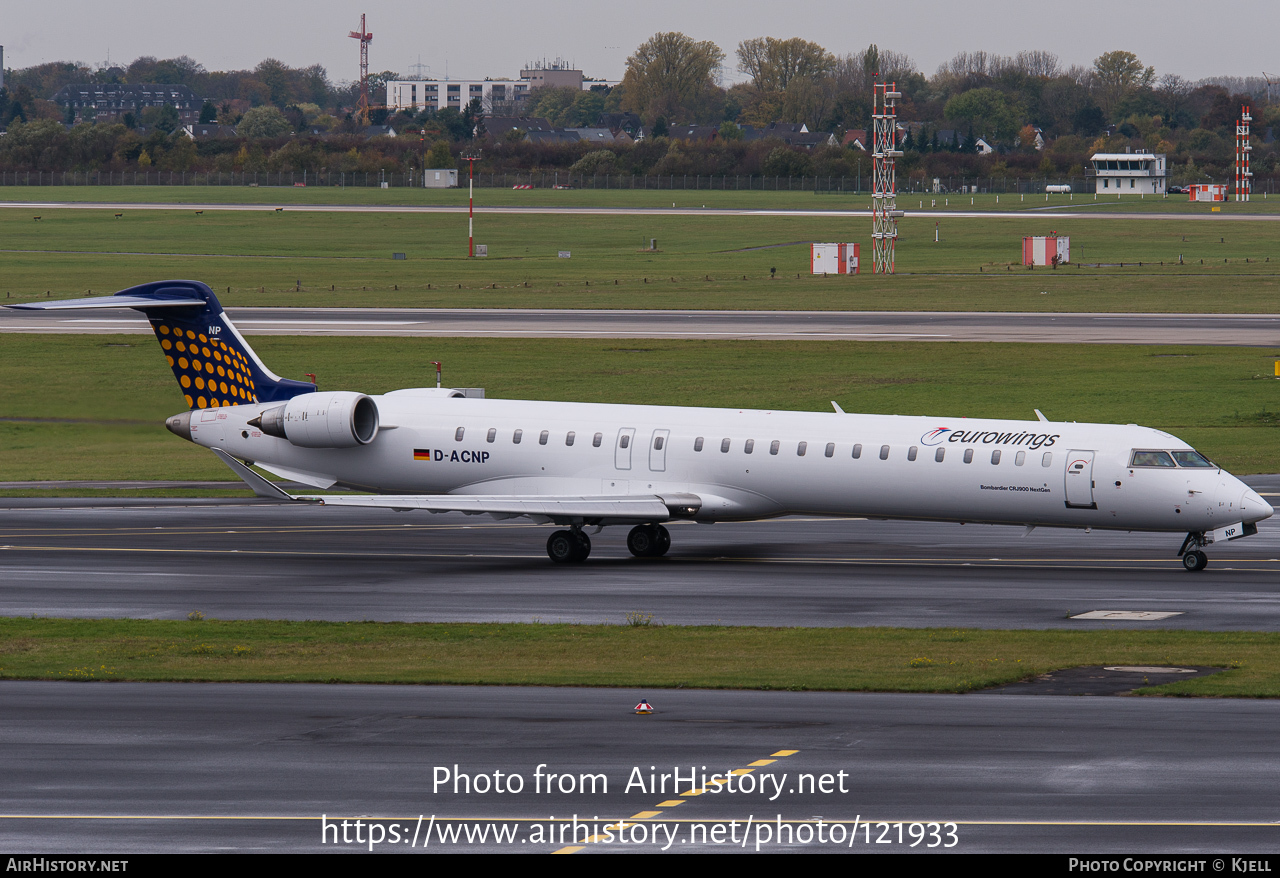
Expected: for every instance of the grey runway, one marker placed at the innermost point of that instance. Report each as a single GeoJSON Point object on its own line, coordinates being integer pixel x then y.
{"type": "Point", "coordinates": [1261, 330]}
{"type": "Point", "coordinates": [133, 768]}
{"type": "Point", "coordinates": [248, 559]}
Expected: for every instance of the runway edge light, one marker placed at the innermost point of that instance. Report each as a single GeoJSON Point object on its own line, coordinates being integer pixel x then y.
{"type": "Point", "coordinates": [643, 707]}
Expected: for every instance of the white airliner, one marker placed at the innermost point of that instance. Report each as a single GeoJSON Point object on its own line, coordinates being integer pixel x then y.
{"type": "Point", "coordinates": [583, 465]}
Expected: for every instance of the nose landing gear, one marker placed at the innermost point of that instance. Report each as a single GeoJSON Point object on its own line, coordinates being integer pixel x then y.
{"type": "Point", "coordinates": [1194, 560]}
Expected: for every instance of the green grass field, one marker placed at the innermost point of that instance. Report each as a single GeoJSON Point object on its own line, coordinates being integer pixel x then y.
{"type": "Point", "coordinates": [736, 262]}
{"type": "Point", "coordinates": [795, 199]}
{"type": "Point", "coordinates": [648, 656]}
{"type": "Point", "coordinates": [92, 407]}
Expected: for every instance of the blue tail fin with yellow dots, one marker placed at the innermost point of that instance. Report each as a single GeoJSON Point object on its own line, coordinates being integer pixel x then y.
{"type": "Point", "coordinates": [210, 358]}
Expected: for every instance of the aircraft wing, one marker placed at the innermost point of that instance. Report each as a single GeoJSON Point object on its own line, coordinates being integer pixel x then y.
{"type": "Point", "coordinates": [557, 508]}
{"type": "Point", "coordinates": [639, 507]}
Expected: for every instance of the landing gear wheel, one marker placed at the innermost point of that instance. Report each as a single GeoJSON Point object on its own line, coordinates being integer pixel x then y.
{"type": "Point", "coordinates": [562, 547]}
{"type": "Point", "coordinates": [664, 541]}
{"type": "Point", "coordinates": [583, 547]}
{"type": "Point", "coordinates": [648, 540]}
{"type": "Point", "coordinates": [1195, 561]}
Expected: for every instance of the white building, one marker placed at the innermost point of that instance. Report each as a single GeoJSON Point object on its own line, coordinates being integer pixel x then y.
{"type": "Point", "coordinates": [1126, 173]}
{"type": "Point", "coordinates": [432, 94]}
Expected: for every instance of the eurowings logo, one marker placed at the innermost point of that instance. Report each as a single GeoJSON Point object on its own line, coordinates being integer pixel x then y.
{"type": "Point", "coordinates": [935, 437]}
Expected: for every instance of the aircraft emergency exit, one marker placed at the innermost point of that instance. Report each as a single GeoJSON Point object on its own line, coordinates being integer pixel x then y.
{"type": "Point", "coordinates": [580, 465]}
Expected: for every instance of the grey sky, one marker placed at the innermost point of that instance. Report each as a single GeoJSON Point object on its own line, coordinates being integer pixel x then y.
{"type": "Point", "coordinates": [488, 38]}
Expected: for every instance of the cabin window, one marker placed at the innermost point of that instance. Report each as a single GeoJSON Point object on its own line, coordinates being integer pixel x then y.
{"type": "Point", "coordinates": [1047, 460]}
{"type": "Point", "coordinates": [801, 449]}
{"type": "Point", "coordinates": [1151, 458]}
{"type": "Point", "coordinates": [516, 437]}
{"type": "Point", "coordinates": [773, 446]}
{"type": "Point", "coordinates": [457, 437]}
{"type": "Point", "coordinates": [939, 454]}
{"type": "Point", "coordinates": [884, 452]}
{"type": "Point", "coordinates": [995, 457]}
{"type": "Point", "coordinates": [697, 444]}
{"type": "Point", "coordinates": [749, 447]}
{"type": "Point", "coordinates": [857, 451]}
{"type": "Point", "coordinates": [624, 440]}
{"type": "Point", "coordinates": [542, 437]}
{"type": "Point", "coordinates": [1020, 458]}
{"type": "Point", "coordinates": [568, 438]}
{"type": "Point", "coordinates": [596, 440]}
{"type": "Point", "coordinates": [657, 443]}
{"type": "Point", "coordinates": [912, 451]}
{"type": "Point", "coordinates": [492, 436]}
{"type": "Point", "coordinates": [724, 446]}
{"type": "Point", "coordinates": [968, 455]}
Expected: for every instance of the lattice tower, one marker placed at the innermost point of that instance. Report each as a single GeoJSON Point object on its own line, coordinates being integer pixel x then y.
{"type": "Point", "coordinates": [1244, 177]}
{"type": "Point", "coordinates": [885, 152]}
{"type": "Point", "coordinates": [365, 38]}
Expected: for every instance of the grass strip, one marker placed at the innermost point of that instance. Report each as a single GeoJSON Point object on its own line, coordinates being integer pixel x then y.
{"type": "Point", "coordinates": [637, 653]}
{"type": "Point", "coordinates": [257, 258]}
{"type": "Point", "coordinates": [112, 393]}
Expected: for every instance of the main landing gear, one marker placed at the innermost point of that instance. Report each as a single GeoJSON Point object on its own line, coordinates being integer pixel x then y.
{"type": "Point", "coordinates": [648, 541]}
{"type": "Point", "coordinates": [568, 546]}
{"type": "Point", "coordinates": [573, 546]}
{"type": "Point", "coordinates": [1193, 557]}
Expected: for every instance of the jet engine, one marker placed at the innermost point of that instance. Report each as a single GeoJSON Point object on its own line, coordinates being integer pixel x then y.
{"type": "Point", "coordinates": [337, 419]}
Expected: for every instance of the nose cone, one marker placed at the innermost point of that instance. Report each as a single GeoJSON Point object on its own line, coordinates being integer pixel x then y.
{"type": "Point", "coordinates": [180, 425]}
{"type": "Point", "coordinates": [1253, 508]}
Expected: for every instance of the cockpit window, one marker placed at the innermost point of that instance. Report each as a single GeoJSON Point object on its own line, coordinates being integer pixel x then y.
{"type": "Point", "coordinates": [1151, 458]}
{"type": "Point", "coordinates": [1190, 458]}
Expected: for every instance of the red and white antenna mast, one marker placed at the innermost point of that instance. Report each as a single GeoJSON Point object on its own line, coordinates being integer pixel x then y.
{"type": "Point", "coordinates": [885, 152]}
{"type": "Point", "coordinates": [365, 38]}
{"type": "Point", "coordinates": [1244, 177]}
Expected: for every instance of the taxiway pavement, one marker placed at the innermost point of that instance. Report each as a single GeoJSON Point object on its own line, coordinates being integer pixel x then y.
{"type": "Point", "coordinates": [1086, 328]}
{"type": "Point", "coordinates": [256, 559]}
{"type": "Point", "coordinates": [138, 767]}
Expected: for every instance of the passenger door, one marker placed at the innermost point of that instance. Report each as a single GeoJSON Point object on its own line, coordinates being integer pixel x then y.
{"type": "Point", "coordinates": [1079, 480]}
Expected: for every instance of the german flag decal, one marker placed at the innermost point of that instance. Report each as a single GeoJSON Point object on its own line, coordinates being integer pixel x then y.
{"type": "Point", "coordinates": [422, 454]}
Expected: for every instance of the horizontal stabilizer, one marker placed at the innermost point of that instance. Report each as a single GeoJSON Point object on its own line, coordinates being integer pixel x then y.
{"type": "Point", "coordinates": [119, 301]}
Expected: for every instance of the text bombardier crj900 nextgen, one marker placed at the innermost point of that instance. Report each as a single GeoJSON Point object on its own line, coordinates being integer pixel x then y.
{"type": "Point", "coordinates": [578, 465]}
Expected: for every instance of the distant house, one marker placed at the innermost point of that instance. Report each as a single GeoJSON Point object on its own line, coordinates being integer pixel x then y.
{"type": "Point", "coordinates": [704, 133]}
{"type": "Point", "coordinates": [629, 123]}
{"type": "Point", "coordinates": [498, 127]}
{"type": "Point", "coordinates": [379, 131]}
{"type": "Point", "coordinates": [982, 147]}
{"type": "Point", "coordinates": [594, 135]}
{"type": "Point", "coordinates": [855, 138]}
{"type": "Point", "coordinates": [208, 131]}
{"type": "Point", "coordinates": [108, 102]}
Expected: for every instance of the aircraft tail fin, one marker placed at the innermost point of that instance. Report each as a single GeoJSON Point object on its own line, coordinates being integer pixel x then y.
{"type": "Point", "coordinates": [210, 358]}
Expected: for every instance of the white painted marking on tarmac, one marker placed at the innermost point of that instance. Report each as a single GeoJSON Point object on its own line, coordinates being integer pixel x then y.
{"type": "Point", "coordinates": [1126, 615]}
{"type": "Point", "coordinates": [1143, 669]}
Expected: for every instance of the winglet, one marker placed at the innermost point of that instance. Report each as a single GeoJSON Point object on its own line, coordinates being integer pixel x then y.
{"type": "Point", "coordinates": [835, 405]}
{"type": "Point", "coordinates": [257, 483]}
{"type": "Point", "coordinates": [1040, 415]}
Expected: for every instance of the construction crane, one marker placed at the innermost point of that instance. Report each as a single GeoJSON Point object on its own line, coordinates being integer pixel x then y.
{"type": "Point", "coordinates": [365, 39]}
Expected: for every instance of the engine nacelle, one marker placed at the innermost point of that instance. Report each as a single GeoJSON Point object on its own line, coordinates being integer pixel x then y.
{"type": "Point", "coordinates": [337, 419]}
